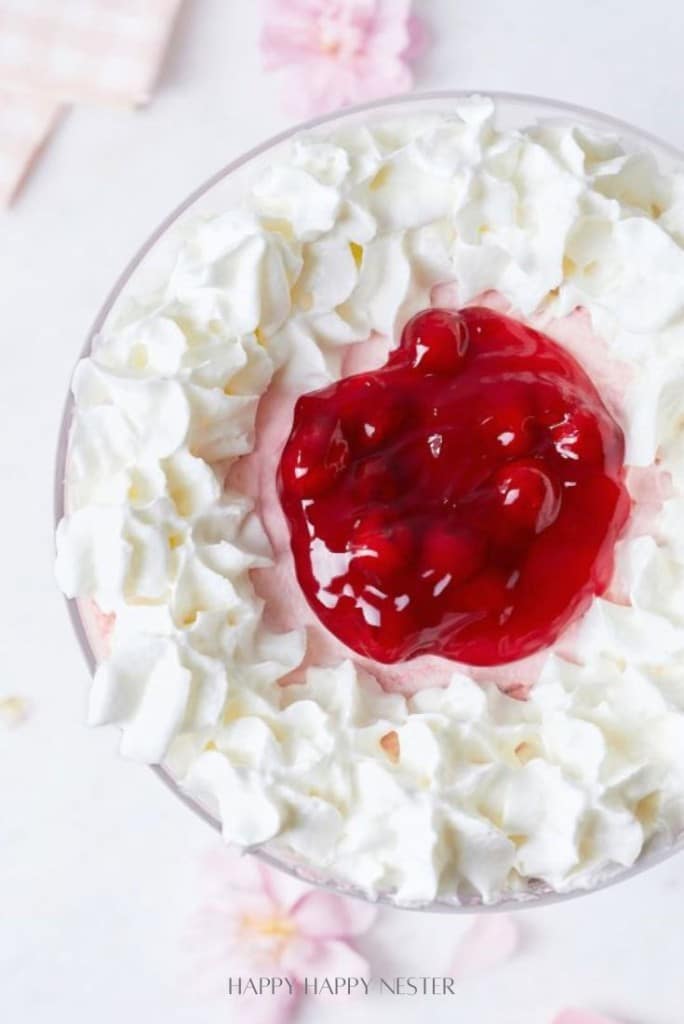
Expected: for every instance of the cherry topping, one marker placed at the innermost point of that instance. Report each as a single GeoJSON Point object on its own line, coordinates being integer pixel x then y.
{"type": "Point", "coordinates": [528, 496]}
{"type": "Point", "coordinates": [381, 550]}
{"type": "Point", "coordinates": [450, 553]}
{"type": "Point", "coordinates": [464, 500]}
{"type": "Point", "coordinates": [436, 341]}
{"type": "Point", "coordinates": [509, 430]}
{"type": "Point", "coordinates": [577, 436]}
{"type": "Point", "coordinates": [314, 467]}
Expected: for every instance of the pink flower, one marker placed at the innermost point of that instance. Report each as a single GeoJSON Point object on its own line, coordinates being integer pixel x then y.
{"type": "Point", "coordinates": [340, 52]}
{"type": "Point", "coordinates": [262, 923]}
{"type": "Point", "coordinates": [491, 940]}
{"type": "Point", "coordinates": [583, 1017]}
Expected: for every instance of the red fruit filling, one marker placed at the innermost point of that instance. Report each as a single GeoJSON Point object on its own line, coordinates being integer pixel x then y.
{"type": "Point", "coordinates": [462, 501]}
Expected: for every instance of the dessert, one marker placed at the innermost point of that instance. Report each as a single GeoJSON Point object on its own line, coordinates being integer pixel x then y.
{"type": "Point", "coordinates": [374, 506]}
{"type": "Point", "coordinates": [462, 501]}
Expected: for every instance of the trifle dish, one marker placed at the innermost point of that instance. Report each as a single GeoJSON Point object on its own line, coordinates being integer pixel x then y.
{"type": "Point", "coordinates": [372, 505]}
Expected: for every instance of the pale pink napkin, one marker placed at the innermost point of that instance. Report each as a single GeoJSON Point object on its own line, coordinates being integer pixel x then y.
{"type": "Point", "coordinates": [71, 51]}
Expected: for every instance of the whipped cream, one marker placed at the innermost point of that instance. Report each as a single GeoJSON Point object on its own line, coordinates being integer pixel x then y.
{"type": "Point", "coordinates": [456, 789]}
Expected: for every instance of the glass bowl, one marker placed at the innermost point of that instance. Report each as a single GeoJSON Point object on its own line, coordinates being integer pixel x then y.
{"type": "Point", "coordinates": [221, 191]}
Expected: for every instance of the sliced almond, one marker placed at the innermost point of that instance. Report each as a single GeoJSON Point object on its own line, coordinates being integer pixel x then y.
{"type": "Point", "coordinates": [390, 744]}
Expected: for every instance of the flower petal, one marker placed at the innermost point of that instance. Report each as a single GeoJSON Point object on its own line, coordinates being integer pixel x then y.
{"type": "Point", "coordinates": [571, 1016]}
{"type": "Point", "coordinates": [491, 940]}
{"type": "Point", "coordinates": [327, 958]}
{"type": "Point", "coordinates": [389, 32]}
{"type": "Point", "coordinates": [338, 54]}
{"type": "Point", "coordinates": [418, 39]}
{"type": "Point", "coordinates": [282, 44]}
{"type": "Point", "coordinates": [233, 871]}
{"type": "Point", "coordinates": [314, 86]}
{"type": "Point", "coordinates": [284, 889]}
{"type": "Point", "coordinates": [323, 915]}
{"type": "Point", "coordinates": [291, 31]}
{"type": "Point", "coordinates": [276, 1008]}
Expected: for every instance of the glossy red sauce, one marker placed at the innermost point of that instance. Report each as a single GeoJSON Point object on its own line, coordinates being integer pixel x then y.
{"type": "Point", "coordinates": [462, 501]}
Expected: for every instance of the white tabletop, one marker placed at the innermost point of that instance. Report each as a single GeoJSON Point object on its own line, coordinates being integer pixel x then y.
{"type": "Point", "coordinates": [100, 869]}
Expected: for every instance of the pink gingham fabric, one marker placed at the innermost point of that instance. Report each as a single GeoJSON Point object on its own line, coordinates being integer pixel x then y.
{"type": "Point", "coordinates": [84, 51]}
{"type": "Point", "coordinates": [71, 51]}
{"type": "Point", "coordinates": [26, 120]}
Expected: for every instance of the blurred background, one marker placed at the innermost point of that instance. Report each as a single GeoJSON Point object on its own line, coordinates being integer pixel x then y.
{"type": "Point", "coordinates": [116, 901]}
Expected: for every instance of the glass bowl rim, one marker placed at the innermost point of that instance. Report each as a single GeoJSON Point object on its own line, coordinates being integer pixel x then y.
{"type": "Point", "coordinates": [514, 901]}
